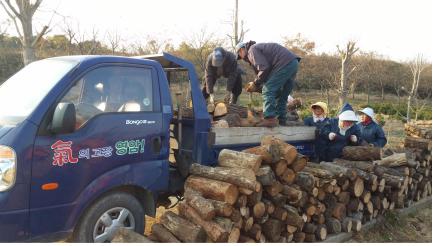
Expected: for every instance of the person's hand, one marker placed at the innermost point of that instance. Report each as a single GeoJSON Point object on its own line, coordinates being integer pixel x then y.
{"type": "Point", "coordinates": [211, 98]}
{"type": "Point", "coordinates": [353, 138]}
{"type": "Point", "coordinates": [332, 136]}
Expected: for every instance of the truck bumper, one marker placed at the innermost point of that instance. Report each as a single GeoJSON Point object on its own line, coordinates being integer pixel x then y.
{"type": "Point", "coordinates": [13, 226]}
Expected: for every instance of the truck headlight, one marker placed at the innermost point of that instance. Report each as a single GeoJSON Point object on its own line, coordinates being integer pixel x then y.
{"type": "Point", "coordinates": [8, 167]}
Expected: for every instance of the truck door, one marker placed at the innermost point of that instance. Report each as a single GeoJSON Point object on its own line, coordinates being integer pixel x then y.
{"type": "Point", "coordinates": [118, 125]}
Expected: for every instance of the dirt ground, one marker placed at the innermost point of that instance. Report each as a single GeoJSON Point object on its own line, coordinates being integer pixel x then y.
{"type": "Point", "coordinates": [415, 227]}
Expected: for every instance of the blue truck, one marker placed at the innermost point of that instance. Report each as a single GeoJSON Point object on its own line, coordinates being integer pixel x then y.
{"type": "Point", "coordinates": [89, 144]}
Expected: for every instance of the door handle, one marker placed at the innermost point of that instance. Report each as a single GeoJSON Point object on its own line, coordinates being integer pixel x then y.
{"type": "Point", "coordinates": [157, 144]}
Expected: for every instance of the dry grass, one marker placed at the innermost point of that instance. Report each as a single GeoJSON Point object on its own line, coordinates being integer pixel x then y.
{"type": "Point", "coordinates": [411, 228]}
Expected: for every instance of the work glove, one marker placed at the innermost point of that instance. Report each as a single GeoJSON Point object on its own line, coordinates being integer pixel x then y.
{"type": "Point", "coordinates": [252, 87]}
{"type": "Point", "coordinates": [332, 136]}
{"type": "Point", "coordinates": [211, 98]}
{"type": "Point", "coordinates": [353, 138]}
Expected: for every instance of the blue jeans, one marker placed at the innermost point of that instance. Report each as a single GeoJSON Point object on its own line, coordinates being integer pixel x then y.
{"type": "Point", "coordinates": [276, 90]}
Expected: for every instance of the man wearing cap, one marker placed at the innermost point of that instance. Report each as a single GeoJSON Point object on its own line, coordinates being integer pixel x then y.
{"type": "Point", "coordinates": [221, 63]}
{"type": "Point", "coordinates": [276, 68]}
{"type": "Point", "coordinates": [340, 132]}
{"type": "Point", "coordinates": [319, 120]}
{"type": "Point", "coordinates": [371, 132]}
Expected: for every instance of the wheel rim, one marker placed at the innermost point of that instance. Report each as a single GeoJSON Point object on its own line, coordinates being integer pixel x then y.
{"type": "Point", "coordinates": [110, 221]}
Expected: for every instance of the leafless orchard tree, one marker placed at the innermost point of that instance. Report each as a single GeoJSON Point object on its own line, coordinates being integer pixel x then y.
{"type": "Point", "coordinates": [237, 36]}
{"type": "Point", "coordinates": [23, 10]}
{"type": "Point", "coordinates": [114, 39]}
{"type": "Point", "coordinates": [346, 69]}
{"type": "Point", "coordinates": [416, 67]}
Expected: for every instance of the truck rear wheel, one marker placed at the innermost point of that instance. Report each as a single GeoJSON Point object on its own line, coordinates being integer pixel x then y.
{"type": "Point", "coordinates": [103, 218]}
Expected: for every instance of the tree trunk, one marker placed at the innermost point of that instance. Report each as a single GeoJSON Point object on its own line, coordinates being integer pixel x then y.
{"type": "Point", "coordinates": [202, 205]}
{"type": "Point", "coordinates": [306, 181]}
{"type": "Point", "coordinates": [320, 173]}
{"type": "Point", "coordinates": [347, 224]}
{"type": "Point", "coordinates": [213, 189]}
{"type": "Point", "coordinates": [292, 193]}
{"type": "Point", "coordinates": [333, 226]}
{"type": "Point", "coordinates": [419, 143]}
{"type": "Point", "coordinates": [395, 160]}
{"type": "Point", "coordinates": [236, 159]}
{"type": "Point", "coordinates": [242, 177]}
{"type": "Point", "coordinates": [265, 175]}
{"type": "Point", "coordinates": [272, 229]}
{"type": "Point", "coordinates": [270, 153]}
{"type": "Point", "coordinates": [362, 153]}
{"type": "Point", "coordinates": [288, 176]}
{"type": "Point", "coordinates": [299, 163]}
{"type": "Point", "coordinates": [288, 152]}
{"type": "Point", "coordinates": [183, 229]}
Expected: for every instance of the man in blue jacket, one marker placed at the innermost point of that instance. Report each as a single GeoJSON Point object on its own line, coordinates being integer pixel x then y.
{"type": "Point", "coordinates": [371, 132]}
{"type": "Point", "coordinates": [339, 133]}
{"type": "Point", "coordinates": [276, 68]}
{"type": "Point", "coordinates": [318, 119]}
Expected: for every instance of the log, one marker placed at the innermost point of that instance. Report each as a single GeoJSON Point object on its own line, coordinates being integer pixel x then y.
{"type": "Point", "coordinates": [269, 206]}
{"type": "Point", "coordinates": [381, 185]}
{"type": "Point", "coordinates": [259, 210]}
{"type": "Point", "coordinates": [225, 223]}
{"type": "Point", "coordinates": [346, 224]}
{"type": "Point", "coordinates": [234, 235]}
{"type": "Point", "coordinates": [306, 181]}
{"type": "Point", "coordinates": [288, 152]}
{"type": "Point", "coordinates": [339, 211]}
{"type": "Point", "coordinates": [321, 232]}
{"type": "Point", "coordinates": [272, 229]}
{"type": "Point", "coordinates": [309, 228]}
{"type": "Point", "coordinates": [310, 238]}
{"type": "Point", "coordinates": [366, 196]}
{"type": "Point", "coordinates": [245, 239]}
{"type": "Point", "coordinates": [213, 230]}
{"type": "Point", "coordinates": [353, 204]}
{"type": "Point", "coordinates": [220, 109]}
{"type": "Point", "coordinates": [213, 189]}
{"type": "Point", "coordinates": [241, 177]}
{"type": "Point", "coordinates": [183, 229]}
{"type": "Point", "coordinates": [123, 235]}
{"type": "Point", "coordinates": [393, 181]}
{"type": "Point", "coordinates": [293, 218]}
{"type": "Point", "coordinates": [321, 194]}
{"type": "Point", "coordinates": [269, 153]}
{"type": "Point", "coordinates": [362, 153]}
{"type": "Point", "coordinates": [222, 208]}
{"type": "Point", "coordinates": [338, 170]}
{"type": "Point", "coordinates": [395, 160]}
{"type": "Point", "coordinates": [288, 176]}
{"type": "Point", "coordinates": [291, 229]}
{"type": "Point", "coordinates": [299, 237]}
{"type": "Point", "coordinates": [274, 189]}
{"type": "Point", "coordinates": [356, 225]}
{"type": "Point", "coordinates": [163, 234]}
{"type": "Point", "coordinates": [203, 206]}
{"type": "Point", "coordinates": [344, 197]}
{"type": "Point", "coordinates": [241, 202]}
{"type": "Point", "coordinates": [237, 109]}
{"type": "Point", "coordinates": [418, 143]}
{"type": "Point", "coordinates": [254, 198]}
{"type": "Point", "coordinates": [333, 226]}
{"type": "Point", "coordinates": [236, 159]}
{"type": "Point", "coordinates": [255, 232]}
{"type": "Point", "coordinates": [317, 172]}
{"type": "Point", "coordinates": [233, 120]}
{"type": "Point", "coordinates": [262, 219]}
{"type": "Point", "coordinates": [292, 193]}
{"type": "Point", "coordinates": [247, 224]}
{"type": "Point", "coordinates": [279, 214]}
{"type": "Point", "coordinates": [299, 163]}
{"type": "Point", "coordinates": [310, 210]}
{"type": "Point", "coordinates": [245, 191]}
{"type": "Point", "coordinates": [279, 167]}
{"type": "Point", "coordinates": [245, 212]}
{"type": "Point", "coordinates": [319, 218]}
{"type": "Point", "coordinates": [265, 175]}
{"type": "Point", "coordinates": [357, 187]}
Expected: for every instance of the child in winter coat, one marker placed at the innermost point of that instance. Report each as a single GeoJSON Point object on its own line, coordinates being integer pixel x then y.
{"type": "Point", "coordinates": [371, 132]}
{"type": "Point", "coordinates": [318, 119]}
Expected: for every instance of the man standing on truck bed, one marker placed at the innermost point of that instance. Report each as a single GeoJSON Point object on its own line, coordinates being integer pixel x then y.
{"type": "Point", "coordinates": [276, 68]}
{"type": "Point", "coordinates": [223, 63]}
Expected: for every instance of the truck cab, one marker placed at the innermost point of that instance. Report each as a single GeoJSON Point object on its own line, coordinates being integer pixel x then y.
{"type": "Point", "coordinates": [89, 144]}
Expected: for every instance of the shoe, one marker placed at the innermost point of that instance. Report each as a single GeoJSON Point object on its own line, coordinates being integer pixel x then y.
{"type": "Point", "coordinates": [268, 122]}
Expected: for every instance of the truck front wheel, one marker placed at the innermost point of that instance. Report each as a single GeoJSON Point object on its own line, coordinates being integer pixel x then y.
{"type": "Point", "coordinates": [103, 218]}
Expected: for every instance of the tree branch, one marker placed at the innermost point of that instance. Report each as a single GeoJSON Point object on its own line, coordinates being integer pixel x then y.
{"type": "Point", "coordinates": [8, 2]}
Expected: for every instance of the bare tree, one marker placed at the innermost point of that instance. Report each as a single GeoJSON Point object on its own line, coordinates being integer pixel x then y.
{"type": "Point", "coordinates": [70, 34]}
{"type": "Point", "coordinates": [23, 10]}
{"type": "Point", "coordinates": [416, 67]}
{"type": "Point", "coordinates": [237, 36]}
{"type": "Point", "coordinates": [346, 69]}
{"type": "Point", "coordinates": [114, 39]}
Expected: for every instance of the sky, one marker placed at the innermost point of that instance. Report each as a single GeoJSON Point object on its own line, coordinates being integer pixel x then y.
{"type": "Point", "coordinates": [396, 29]}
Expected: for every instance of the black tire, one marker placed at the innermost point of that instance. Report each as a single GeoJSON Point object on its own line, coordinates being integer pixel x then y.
{"type": "Point", "coordinates": [84, 230]}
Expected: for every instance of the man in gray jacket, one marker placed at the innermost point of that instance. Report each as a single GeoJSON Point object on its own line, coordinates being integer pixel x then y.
{"type": "Point", "coordinates": [276, 68]}
{"type": "Point", "coordinates": [221, 63]}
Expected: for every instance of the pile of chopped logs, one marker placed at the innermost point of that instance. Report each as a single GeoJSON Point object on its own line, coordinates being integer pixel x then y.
{"type": "Point", "coordinates": [271, 193]}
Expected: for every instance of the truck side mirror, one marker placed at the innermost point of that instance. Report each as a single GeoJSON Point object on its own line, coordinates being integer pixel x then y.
{"type": "Point", "coordinates": [64, 118]}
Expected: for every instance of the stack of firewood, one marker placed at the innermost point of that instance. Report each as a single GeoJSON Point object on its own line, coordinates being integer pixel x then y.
{"type": "Point", "coordinates": [418, 145]}
{"type": "Point", "coordinates": [271, 193]}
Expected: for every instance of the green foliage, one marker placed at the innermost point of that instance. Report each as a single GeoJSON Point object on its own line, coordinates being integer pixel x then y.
{"type": "Point", "coordinates": [398, 111]}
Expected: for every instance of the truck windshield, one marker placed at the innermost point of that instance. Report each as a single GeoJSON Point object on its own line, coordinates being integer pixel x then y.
{"type": "Point", "coordinates": [21, 93]}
